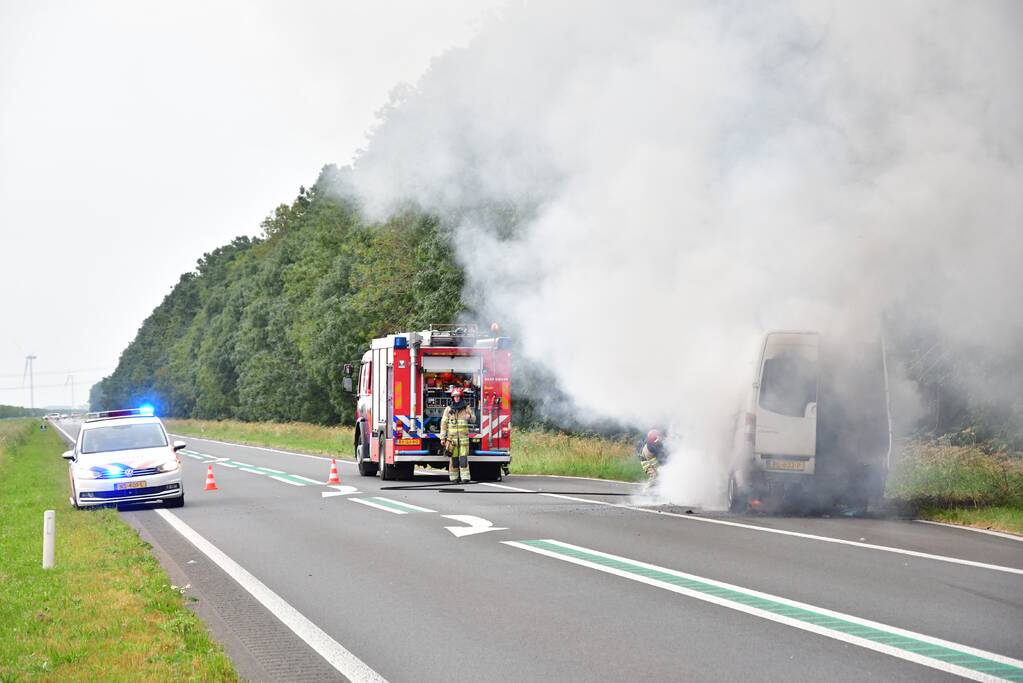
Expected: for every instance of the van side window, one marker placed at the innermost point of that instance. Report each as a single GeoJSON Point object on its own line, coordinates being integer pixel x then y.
{"type": "Point", "coordinates": [788, 384]}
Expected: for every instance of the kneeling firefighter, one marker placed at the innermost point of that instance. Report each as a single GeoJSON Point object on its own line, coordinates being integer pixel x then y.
{"type": "Point", "coordinates": [653, 454]}
{"type": "Point", "coordinates": [454, 435]}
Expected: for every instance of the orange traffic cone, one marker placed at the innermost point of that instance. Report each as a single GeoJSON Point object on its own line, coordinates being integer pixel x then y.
{"type": "Point", "coordinates": [211, 483]}
{"type": "Point", "coordinates": [334, 479]}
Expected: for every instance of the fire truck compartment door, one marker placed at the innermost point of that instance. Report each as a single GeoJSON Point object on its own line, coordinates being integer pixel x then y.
{"type": "Point", "coordinates": [463, 364]}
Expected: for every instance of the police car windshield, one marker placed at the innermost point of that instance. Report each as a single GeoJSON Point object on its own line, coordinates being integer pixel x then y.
{"type": "Point", "coordinates": [123, 437]}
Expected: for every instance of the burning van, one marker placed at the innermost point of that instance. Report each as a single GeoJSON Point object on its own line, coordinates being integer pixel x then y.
{"type": "Point", "coordinates": [816, 429]}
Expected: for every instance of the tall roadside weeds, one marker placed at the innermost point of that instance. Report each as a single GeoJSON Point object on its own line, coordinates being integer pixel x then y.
{"type": "Point", "coordinates": [106, 611]}
{"type": "Point", "coordinates": [961, 484]}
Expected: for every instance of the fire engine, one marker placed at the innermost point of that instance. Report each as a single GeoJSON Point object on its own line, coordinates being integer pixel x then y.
{"type": "Point", "coordinates": [403, 387]}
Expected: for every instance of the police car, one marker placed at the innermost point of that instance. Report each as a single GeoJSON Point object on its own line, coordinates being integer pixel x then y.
{"type": "Point", "coordinates": [125, 456]}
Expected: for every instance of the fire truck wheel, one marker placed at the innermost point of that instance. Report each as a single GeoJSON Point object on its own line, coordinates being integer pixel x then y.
{"type": "Point", "coordinates": [367, 467]}
{"type": "Point", "coordinates": [388, 472]}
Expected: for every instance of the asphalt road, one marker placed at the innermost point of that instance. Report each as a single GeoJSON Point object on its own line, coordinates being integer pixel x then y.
{"type": "Point", "coordinates": [573, 581]}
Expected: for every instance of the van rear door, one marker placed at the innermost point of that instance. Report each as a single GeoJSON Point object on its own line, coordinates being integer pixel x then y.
{"type": "Point", "coordinates": [786, 407]}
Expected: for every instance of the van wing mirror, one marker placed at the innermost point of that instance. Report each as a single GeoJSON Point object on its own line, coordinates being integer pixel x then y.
{"type": "Point", "coordinates": [178, 445]}
{"type": "Point", "coordinates": [811, 410]}
{"type": "Point", "coordinates": [68, 455]}
{"type": "Point", "coordinates": [346, 384]}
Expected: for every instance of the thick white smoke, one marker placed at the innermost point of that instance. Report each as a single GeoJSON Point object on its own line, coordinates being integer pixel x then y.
{"type": "Point", "coordinates": [686, 175]}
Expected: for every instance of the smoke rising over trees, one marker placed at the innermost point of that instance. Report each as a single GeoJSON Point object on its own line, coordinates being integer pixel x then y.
{"type": "Point", "coordinates": [673, 176]}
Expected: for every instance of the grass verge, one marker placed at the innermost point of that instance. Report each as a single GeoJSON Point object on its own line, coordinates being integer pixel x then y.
{"type": "Point", "coordinates": [961, 485]}
{"type": "Point", "coordinates": [533, 452]}
{"type": "Point", "coordinates": [106, 611]}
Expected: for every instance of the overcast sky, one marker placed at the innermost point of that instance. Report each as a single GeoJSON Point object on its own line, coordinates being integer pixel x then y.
{"type": "Point", "coordinates": [135, 136]}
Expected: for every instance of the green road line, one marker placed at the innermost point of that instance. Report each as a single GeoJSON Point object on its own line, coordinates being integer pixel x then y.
{"type": "Point", "coordinates": [397, 505]}
{"type": "Point", "coordinates": [948, 654]}
{"type": "Point", "coordinates": [254, 469]}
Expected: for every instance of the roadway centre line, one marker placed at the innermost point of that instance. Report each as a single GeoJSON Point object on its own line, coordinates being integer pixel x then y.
{"type": "Point", "coordinates": [350, 666]}
{"type": "Point", "coordinates": [264, 448]}
{"type": "Point", "coordinates": [783, 532]}
{"type": "Point", "coordinates": [395, 506]}
{"type": "Point", "coordinates": [1000, 534]}
{"type": "Point", "coordinates": [943, 655]}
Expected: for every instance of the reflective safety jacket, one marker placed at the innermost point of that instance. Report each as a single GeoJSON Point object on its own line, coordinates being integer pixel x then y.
{"type": "Point", "coordinates": [454, 424]}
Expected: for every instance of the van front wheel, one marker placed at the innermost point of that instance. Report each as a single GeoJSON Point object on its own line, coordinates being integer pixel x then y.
{"type": "Point", "coordinates": [738, 499]}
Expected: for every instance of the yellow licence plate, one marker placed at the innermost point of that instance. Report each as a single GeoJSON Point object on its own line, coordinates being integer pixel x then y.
{"type": "Point", "coordinates": [791, 465]}
{"type": "Point", "coordinates": [409, 442]}
{"type": "Point", "coordinates": [129, 485]}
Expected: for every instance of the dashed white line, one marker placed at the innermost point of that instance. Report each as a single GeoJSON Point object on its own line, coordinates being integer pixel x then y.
{"type": "Point", "coordinates": [336, 654]}
{"type": "Point", "coordinates": [287, 481]}
{"type": "Point", "coordinates": [378, 506]}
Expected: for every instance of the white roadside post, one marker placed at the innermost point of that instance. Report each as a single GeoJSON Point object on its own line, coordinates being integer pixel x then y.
{"type": "Point", "coordinates": [49, 531]}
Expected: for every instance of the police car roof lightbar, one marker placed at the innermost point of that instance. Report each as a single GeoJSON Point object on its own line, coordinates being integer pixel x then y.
{"type": "Point", "coordinates": [144, 411]}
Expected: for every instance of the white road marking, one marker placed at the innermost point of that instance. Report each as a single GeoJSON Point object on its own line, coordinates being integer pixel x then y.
{"type": "Point", "coordinates": [251, 470]}
{"type": "Point", "coordinates": [340, 491]}
{"type": "Point", "coordinates": [378, 506]}
{"type": "Point", "coordinates": [1000, 534]}
{"type": "Point", "coordinates": [477, 525]}
{"type": "Point", "coordinates": [66, 435]}
{"type": "Point", "coordinates": [783, 532]}
{"type": "Point", "coordinates": [410, 506]}
{"type": "Point", "coordinates": [286, 481]}
{"type": "Point", "coordinates": [576, 555]}
{"type": "Point", "coordinates": [311, 481]}
{"type": "Point", "coordinates": [350, 666]}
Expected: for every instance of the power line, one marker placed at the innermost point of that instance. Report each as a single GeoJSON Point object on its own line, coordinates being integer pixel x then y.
{"type": "Point", "coordinates": [60, 372]}
{"type": "Point", "coordinates": [38, 386]}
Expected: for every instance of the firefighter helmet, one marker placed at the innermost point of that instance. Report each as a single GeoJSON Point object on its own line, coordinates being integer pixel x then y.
{"type": "Point", "coordinates": [653, 437]}
{"type": "Point", "coordinates": [456, 394]}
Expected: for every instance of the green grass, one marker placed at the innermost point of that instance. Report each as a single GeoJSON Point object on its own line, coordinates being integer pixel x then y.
{"type": "Point", "coordinates": [961, 485]}
{"type": "Point", "coordinates": [994, 518]}
{"type": "Point", "coordinates": [296, 436]}
{"type": "Point", "coordinates": [107, 610]}
{"type": "Point", "coordinates": [533, 452]}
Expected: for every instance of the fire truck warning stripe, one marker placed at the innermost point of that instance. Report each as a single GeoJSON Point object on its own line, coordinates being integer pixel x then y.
{"type": "Point", "coordinates": [938, 654]}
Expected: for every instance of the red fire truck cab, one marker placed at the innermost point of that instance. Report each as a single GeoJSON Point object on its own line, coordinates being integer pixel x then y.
{"type": "Point", "coordinates": [403, 387]}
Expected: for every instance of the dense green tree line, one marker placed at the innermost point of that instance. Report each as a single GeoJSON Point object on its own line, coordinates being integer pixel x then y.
{"type": "Point", "coordinates": [18, 411]}
{"type": "Point", "coordinates": [262, 328]}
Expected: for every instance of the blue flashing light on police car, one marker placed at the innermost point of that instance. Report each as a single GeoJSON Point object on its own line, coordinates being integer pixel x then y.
{"type": "Point", "coordinates": [147, 410]}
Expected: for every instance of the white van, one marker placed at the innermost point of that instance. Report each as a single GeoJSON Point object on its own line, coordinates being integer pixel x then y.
{"type": "Point", "coordinates": [816, 430]}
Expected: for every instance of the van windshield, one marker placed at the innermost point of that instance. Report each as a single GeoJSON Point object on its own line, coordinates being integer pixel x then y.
{"type": "Point", "coordinates": [123, 438]}
{"type": "Point", "coordinates": [788, 384]}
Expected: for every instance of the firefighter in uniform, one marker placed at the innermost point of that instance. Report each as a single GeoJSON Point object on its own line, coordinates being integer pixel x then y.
{"type": "Point", "coordinates": [653, 454]}
{"type": "Point", "coordinates": [454, 434]}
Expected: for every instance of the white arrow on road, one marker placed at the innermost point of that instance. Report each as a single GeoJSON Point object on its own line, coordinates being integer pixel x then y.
{"type": "Point", "coordinates": [477, 525]}
{"type": "Point", "coordinates": [341, 491]}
